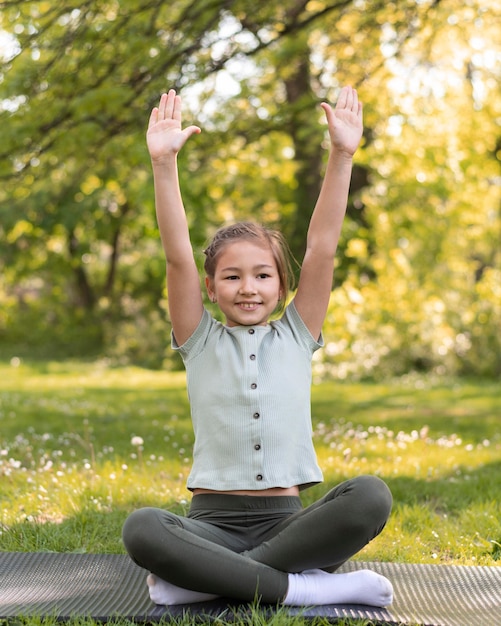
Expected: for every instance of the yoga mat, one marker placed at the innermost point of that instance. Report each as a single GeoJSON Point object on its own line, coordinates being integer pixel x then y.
{"type": "Point", "coordinates": [107, 586]}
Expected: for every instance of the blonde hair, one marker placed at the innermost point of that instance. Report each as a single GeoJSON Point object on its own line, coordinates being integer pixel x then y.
{"type": "Point", "coordinates": [261, 235]}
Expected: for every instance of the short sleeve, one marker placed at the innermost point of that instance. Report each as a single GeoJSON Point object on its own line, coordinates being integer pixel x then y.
{"type": "Point", "coordinates": [300, 331]}
{"type": "Point", "coordinates": [195, 343]}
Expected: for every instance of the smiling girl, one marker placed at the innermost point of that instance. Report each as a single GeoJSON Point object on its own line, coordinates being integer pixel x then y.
{"type": "Point", "coordinates": [247, 535]}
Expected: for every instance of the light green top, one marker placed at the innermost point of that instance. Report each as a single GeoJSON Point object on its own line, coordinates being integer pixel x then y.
{"type": "Point", "coordinates": [249, 390]}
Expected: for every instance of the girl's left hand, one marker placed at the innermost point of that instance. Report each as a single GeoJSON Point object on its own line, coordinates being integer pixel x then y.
{"type": "Point", "coordinates": [345, 121]}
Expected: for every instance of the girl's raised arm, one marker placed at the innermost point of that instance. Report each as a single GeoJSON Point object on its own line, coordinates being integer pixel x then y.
{"type": "Point", "coordinates": [165, 138]}
{"type": "Point", "coordinates": [315, 281]}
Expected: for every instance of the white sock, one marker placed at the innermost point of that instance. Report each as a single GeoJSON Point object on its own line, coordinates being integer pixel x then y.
{"type": "Point", "coordinates": [319, 587]}
{"type": "Point", "coordinates": [164, 593]}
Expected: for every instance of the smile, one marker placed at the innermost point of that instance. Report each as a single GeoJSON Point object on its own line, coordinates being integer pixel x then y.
{"type": "Point", "coordinates": [248, 305]}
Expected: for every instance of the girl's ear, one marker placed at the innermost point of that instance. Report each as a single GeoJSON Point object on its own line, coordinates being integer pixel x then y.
{"type": "Point", "coordinates": [210, 289]}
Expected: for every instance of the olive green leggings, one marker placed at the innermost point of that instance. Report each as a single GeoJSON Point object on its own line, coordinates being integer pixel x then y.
{"type": "Point", "coordinates": [242, 547]}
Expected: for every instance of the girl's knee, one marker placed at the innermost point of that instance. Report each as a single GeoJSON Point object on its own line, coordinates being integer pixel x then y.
{"type": "Point", "coordinates": [148, 539]}
{"type": "Point", "coordinates": [369, 495]}
{"type": "Point", "coordinates": [133, 527]}
{"type": "Point", "coordinates": [376, 496]}
{"type": "Point", "coordinates": [139, 527]}
{"type": "Point", "coordinates": [372, 485]}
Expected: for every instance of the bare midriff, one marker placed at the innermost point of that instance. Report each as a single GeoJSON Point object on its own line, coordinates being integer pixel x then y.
{"type": "Point", "coordinates": [273, 491]}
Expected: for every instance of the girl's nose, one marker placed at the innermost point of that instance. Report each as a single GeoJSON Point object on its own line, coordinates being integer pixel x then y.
{"type": "Point", "coordinates": [248, 286]}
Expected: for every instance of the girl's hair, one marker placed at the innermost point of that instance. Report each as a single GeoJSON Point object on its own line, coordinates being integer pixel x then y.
{"type": "Point", "coordinates": [261, 235]}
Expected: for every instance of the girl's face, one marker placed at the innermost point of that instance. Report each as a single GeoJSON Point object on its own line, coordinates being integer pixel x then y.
{"type": "Point", "coordinates": [246, 284]}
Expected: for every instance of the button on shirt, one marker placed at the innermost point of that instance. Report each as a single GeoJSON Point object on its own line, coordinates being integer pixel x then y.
{"type": "Point", "coordinates": [249, 391]}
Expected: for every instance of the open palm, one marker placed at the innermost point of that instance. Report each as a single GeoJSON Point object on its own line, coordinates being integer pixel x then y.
{"type": "Point", "coordinates": [165, 134]}
{"type": "Point", "coordinates": [345, 121]}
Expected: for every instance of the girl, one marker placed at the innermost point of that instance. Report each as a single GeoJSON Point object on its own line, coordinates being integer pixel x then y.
{"type": "Point", "coordinates": [246, 535]}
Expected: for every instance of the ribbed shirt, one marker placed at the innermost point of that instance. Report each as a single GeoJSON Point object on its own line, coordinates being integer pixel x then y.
{"type": "Point", "coordinates": [249, 391]}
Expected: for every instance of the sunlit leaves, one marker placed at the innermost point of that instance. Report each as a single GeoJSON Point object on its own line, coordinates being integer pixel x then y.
{"type": "Point", "coordinates": [420, 246]}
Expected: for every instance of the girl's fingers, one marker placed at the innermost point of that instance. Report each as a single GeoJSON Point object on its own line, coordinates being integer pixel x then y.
{"type": "Point", "coordinates": [176, 111]}
{"type": "Point", "coordinates": [168, 108]}
{"type": "Point", "coordinates": [348, 99]}
{"type": "Point", "coordinates": [191, 130]}
{"type": "Point", "coordinates": [328, 111]}
{"type": "Point", "coordinates": [354, 100]}
{"type": "Point", "coordinates": [153, 117]}
{"type": "Point", "coordinates": [170, 104]}
{"type": "Point", "coordinates": [342, 101]}
{"type": "Point", "coordinates": [161, 107]}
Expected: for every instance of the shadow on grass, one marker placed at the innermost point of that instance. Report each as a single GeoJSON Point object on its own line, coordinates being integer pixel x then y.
{"type": "Point", "coordinates": [451, 494]}
{"type": "Point", "coordinates": [471, 409]}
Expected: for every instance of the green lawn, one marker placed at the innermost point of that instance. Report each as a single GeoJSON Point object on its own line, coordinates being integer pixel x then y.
{"type": "Point", "coordinates": [71, 468]}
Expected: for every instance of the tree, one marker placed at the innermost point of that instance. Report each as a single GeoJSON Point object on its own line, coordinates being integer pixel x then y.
{"type": "Point", "coordinates": [77, 222]}
{"type": "Point", "coordinates": [432, 300]}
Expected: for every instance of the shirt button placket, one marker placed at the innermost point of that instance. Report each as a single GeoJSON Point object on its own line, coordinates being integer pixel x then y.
{"type": "Point", "coordinates": [256, 414]}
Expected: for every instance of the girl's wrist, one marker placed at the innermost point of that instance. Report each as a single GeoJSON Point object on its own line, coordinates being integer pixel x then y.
{"type": "Point", "coordinates": [341, 157]}
{"type": "Point", "coordinates": [164, 161]}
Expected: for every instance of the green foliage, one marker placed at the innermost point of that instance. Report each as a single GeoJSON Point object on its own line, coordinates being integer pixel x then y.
{"type": "Point", "coordinates": [379, 329]}
{"type": "Point", "coordinates": [81, 267]}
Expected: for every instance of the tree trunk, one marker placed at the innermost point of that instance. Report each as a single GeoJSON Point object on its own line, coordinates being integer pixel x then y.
{"type": "Point", "coordinates": [85, 293]}
{"type": "Point", "coordinates": [307, 137]}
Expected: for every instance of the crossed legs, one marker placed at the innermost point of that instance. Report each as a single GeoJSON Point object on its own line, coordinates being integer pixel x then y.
{"type": "Point", "coordinates": [288, 563]}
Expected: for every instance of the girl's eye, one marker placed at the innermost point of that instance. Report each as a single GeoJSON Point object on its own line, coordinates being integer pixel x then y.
{"type": "Point", "coordinates": [231, 277]}
{"type": "Point", "coordinates": [263, 276]}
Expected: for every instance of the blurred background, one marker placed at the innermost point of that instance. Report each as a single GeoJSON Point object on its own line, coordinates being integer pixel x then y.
{"type": "Point", "coordinates": [418, 275]}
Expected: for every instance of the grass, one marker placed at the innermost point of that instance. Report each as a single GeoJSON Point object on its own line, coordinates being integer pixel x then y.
{"type": "Point", "coordinates": [82, 445]}
{"type": "Point", "coordinates": [254, 617]}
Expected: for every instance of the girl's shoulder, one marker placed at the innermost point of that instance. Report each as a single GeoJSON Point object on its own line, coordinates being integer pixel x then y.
{"type": "Point", "coordinates": [206, 325]}
{"type": "Point", "coordinates": [293, 323]}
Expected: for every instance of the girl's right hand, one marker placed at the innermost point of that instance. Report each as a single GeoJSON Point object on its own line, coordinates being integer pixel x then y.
{"type": "Point", "coordinates": [165, 136]}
